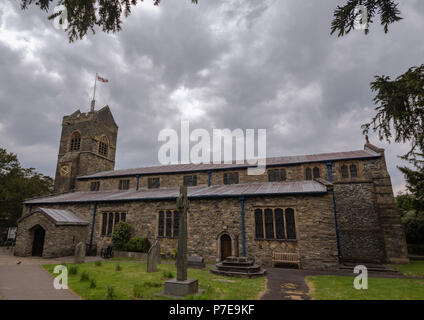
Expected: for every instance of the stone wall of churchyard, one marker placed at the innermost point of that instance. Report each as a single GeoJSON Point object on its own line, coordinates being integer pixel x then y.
{"type": "Point", "coordinates": [59, 241]}
{"type": "Point", "coordinates": [209, 219]}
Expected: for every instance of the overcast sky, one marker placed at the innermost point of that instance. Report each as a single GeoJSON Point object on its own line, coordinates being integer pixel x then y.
{"type": "Point", "coordinates": [220, 64]}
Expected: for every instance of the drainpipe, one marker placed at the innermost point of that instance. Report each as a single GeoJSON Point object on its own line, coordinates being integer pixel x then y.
{"type": "Point", "coordinates": [138, 182]}
{"type": "Point", "coordinates": [330, 176]}
{"type": "Point", "coordinates": [243, 235]}
{"type": "Point", "coordinates": [93, 223]}
{"type": "Point", "coordinates": [209, 178]}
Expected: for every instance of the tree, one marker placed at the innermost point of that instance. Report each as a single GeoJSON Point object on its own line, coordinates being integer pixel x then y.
{"type": "Point", "coordinates": [82, 14]}
{"type": "Point", "coordinates": [345, 16]}
{"type": "Point", "coordinates": [16, 185]}
{"type": "Point", "coordinates": [400, 115]}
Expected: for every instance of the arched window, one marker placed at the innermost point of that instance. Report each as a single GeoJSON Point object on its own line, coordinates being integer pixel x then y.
{"type": "Point", "coordinates": [345, 173]}
{"type": "Point", "coordinates": [103, 145]}
{"type": "Point", "coordinates": [308, 173]}
{"type": "Point", "coordinates": [75, 142]}
{"type": "Point", "coordinates": [353, 171]}
{"type": "Point", "coordinates": [316, 173]}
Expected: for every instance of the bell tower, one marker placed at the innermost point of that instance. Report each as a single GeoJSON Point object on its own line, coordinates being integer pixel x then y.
{"type": "Point", "coordinates": [87, 145]}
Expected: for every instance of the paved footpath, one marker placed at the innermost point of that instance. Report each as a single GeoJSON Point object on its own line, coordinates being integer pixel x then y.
{"type": "Point", "coordinates": [25, 279]}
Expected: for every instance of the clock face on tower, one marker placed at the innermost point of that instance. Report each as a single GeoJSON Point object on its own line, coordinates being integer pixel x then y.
{"type": "Point", "coordinates": [64, 170]}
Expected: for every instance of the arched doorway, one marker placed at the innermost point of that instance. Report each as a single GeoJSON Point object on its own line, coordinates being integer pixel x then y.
{"type": "Point", "coordinates": [38, 242]}
{"type": "Point", "coordinates": [225, 246]}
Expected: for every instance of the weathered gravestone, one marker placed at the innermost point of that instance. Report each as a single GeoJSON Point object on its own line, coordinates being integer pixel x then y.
{"type": "Point", "coordinates": [181, 286]}
{"type": "Point", "coordinates": [153, 257]}
{"type": "Point", "coordinates": [79, 253]}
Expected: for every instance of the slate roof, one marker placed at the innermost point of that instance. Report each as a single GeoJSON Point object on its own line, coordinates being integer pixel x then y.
{"type": "Point", "coordinates": [322, 157]}
{"type": "Point", "coordinates": [59, 217]}
{"type": "Point", "coordinates": [199, 192]}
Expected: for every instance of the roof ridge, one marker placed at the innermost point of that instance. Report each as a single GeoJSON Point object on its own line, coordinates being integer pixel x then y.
{"type": "Point", "coordinates": [271, 161]}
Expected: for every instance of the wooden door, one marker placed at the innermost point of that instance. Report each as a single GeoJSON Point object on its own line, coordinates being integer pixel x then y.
{"type": "Point", "coordinates": [225, 246]}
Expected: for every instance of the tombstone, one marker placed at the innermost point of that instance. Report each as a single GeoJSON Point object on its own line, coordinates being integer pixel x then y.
{"type": "Point", "coordinates": [79, 253]}
{"type": "Point", "coordinates": [196, 262]}
{"type": "Point", "coordinates": [153, 257]}
{"type": "Point", "coordinates": [181, 286]}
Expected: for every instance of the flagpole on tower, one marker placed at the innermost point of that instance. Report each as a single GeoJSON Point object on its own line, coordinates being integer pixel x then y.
{"type": "Point", "coordinates": [93, 102]}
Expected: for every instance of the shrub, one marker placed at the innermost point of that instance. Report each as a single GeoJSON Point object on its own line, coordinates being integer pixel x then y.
{"type": "Point", "coordinates": [98, 263]}
{"type": "Point", "coordinates": [121, 235]}
{"type": "Point", "coordinates": [93, 284]}
{"type": "Point", "coordinates": [138, 290]}
{"type": "Point", "coordinates": [167, 274]}
{"type": "Point", "coordinates": [73, 270]}
{"type": "Point", "coordinates": [413, 223]}
{"type": "Point", "coordinates": [138, 245]}
{"type": "Point", "coordinates": [118, 267]}
{"type": "Point", "coordinates": [84, 276]}
{"type": "Point", "coordinates": [110, 294]}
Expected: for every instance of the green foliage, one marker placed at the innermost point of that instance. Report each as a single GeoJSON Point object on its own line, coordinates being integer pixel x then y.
{"type": "Point", "coordinates": [150, 284]}
{"type": "Point", "coordinates": [167, 274]}
{"type": "Point", "coordinates": [341, 288]}
{"type": "Point", "coordinates": [110, 293]}
{"type": "Point", "coordinates": [73, 270]}
{"type": "Point", "coordinates": [138, 245]}
{"type": "Point", "coordinates": [82, 14]}
{"type": "Point", "coordinates": [93, 284]}
{"type": "Point", "coordinates": [412, 217]}
{"type": "Point", "coordinates": [121, 235]}
{"type": "Point", "coordinates": [139, 289]}
{"type": "Point", "coordinates": [400, 116]}
{"type": "Point", "coordinates": [118, 267]}
{"type": "Point", "coordinates": [16, 185]}
{"type": "Point", "coordinates": [98, 263]}
{"type": "Point", "coordinates": [413, 224]}
{"type": "Point", "coordinates": [344, 16]}
{"type": "Point", "coordinates": [84, 276]}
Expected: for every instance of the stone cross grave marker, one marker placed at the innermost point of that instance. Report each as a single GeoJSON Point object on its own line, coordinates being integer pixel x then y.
{"type": "Point", "coordinates": [79, 253]}
{"type": "Point", "coordinates": [153, 257]}
{"type": "Point", "coordinates": [181, 286]}
{"type": "Point", "coordinates": [182, 206]}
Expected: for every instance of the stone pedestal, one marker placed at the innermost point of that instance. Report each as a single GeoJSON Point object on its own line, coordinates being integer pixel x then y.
{"type": "Point", "coordinates": [177, 288]}
{"type": "Point", "coordinates": [79, 253]}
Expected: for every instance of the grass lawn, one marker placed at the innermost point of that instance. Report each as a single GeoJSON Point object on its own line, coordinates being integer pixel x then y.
{"type": "Point", "coordinates": [415, 268]}
{"type": "Point", "coordinates": [341, 288]}
{"type": "Point", "coordinates": [133, 282]}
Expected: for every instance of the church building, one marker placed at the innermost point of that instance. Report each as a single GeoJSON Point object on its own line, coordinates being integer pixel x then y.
{"type": "Point", "coordinates": [328, 208]}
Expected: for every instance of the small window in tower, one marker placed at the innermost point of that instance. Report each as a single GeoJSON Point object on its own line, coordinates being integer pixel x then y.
{"type": "Point", "coordinates": [345, 173]}
{"type": "Point", "coordinates": [75, 142]}
{"type": "Point", "coordinates": [103, 146]}
{"type": "Point", "coordinates": [316, 173]}
{"type": "Point", "coordinates": [353, 171]}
